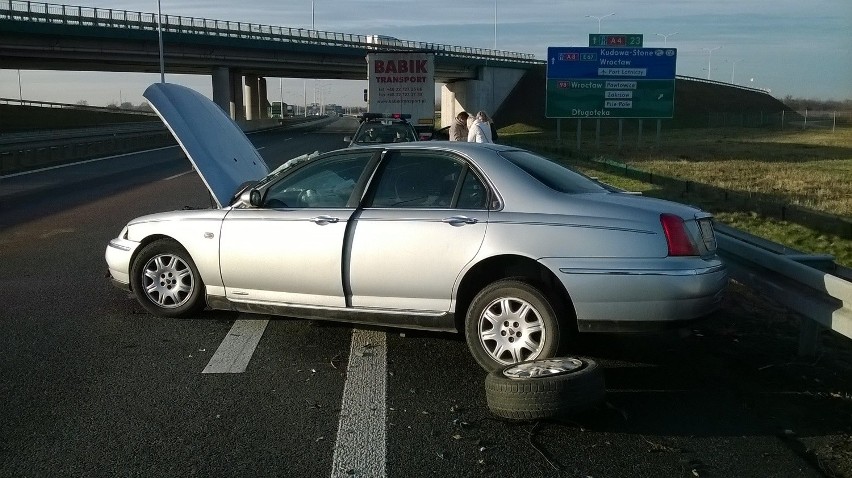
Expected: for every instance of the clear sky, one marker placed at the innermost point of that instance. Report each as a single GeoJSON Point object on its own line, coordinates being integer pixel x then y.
{"type": "Point", "coordinates": [801, 48]}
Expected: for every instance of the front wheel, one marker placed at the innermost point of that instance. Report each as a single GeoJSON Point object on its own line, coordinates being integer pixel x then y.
{"type": "Point", "coordinates": [166, 281]}
{"type": "Point", "coordinates": [511, 321]}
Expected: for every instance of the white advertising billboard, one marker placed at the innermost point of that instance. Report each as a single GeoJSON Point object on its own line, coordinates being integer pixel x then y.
{"type": "Point", "coordinates": [403, 83]}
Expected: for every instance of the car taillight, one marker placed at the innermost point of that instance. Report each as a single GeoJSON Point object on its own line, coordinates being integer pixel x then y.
{"type": "Point", "coordinates": [680, 244]}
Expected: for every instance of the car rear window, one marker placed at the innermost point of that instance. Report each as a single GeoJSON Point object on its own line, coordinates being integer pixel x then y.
{"type": "Point", "coordinates": [552, 175]}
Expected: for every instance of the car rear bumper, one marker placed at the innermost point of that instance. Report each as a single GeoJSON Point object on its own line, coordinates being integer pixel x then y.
{"type": "Point", "coordinates": [642, 297]}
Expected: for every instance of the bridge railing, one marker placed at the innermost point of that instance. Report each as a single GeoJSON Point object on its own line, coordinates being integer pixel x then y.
{"type": "Point", "coordinates": [722, 83]}
{"type": "Point", "coordinates": [111, 18]}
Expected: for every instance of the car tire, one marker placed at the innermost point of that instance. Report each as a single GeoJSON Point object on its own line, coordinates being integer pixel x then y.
{"type": "Point", "coordinates": [511, 321]}
{"type": "Point", "coordinates": [165, 280]}
{"type": "Point", "coordinates": [556, 387]}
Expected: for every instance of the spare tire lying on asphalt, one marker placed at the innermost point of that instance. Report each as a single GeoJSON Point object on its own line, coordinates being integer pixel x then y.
{"type": "Point", "coordinates": [545, 388]}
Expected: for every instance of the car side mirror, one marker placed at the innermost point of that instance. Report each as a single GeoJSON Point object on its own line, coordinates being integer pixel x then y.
{"type": "Point", "coordinates": [348, 139]}
{"type": "Point", "coordinates": [255, 198]}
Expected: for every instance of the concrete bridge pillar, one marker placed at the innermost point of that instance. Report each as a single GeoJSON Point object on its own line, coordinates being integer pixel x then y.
{"type": "Point", "coordinates": [257, 105]}
{"type": "Point", "coordinates": [252, 98]}
{"type": "Point", "coordinates": [228, 91]}
{"type": "Point", "coordinates": [486, 93]}
{"type": "Point", "coordinates": [263, 102]}
{"type": "Point", "coordinates": [222, 88]}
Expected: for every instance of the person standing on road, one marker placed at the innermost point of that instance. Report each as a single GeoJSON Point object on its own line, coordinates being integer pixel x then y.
{"type": "Point", "coordinates": [480, 130]}
{"type": "Point", "coordinates": [458, 130]}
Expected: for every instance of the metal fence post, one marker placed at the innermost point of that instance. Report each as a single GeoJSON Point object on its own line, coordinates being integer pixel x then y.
{"type": "Point", "coordinates": [809, 338]}
{"type": "Point", "coordinates": [579, 132]}
{"type": "Point", "coordinates": [597, 133]}
{"type": "Point", "coordinates": [639, 139]}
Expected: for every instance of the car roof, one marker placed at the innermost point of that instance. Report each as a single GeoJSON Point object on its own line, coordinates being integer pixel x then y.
{"type": "Point", "coordinates": [455, 146]}
{"type": "Point", "coordinates": [385, 121]}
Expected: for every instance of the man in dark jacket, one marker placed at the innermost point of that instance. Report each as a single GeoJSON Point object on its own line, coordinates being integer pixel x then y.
{"type": "Point", "coordinates": [458, 130]}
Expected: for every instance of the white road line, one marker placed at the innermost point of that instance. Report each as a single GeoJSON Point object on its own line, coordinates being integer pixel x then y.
{"type": "Point", "coordinates": [179, 175]}
{"type": "Point", "coordinates": [235, 351]}
{"type": "Point", "coordinates": [24, 173]}
{"type": "Point", "coordinates": [361, 445]}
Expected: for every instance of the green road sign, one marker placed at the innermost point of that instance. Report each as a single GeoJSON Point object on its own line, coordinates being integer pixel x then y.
{"type": "Point", "coordinates": [599, 98]}
{"type": "Point", "coordinates": [616, 40]}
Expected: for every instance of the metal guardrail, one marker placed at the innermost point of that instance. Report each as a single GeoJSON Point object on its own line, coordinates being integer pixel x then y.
{"type": "Point", "coordinates": [108, 17]}
{"type": "Point", "coordinates": [30, 138]}
{"type": "Point", "coordinates": [67, 106]}
{"type": "Point", "coordinates": [811, 285]}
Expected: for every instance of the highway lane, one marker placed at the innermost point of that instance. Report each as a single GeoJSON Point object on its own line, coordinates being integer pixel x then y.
{"type": "Point", "coordinates": [93, 386]}
{"type": "Point", "coordinates": [52, 188]}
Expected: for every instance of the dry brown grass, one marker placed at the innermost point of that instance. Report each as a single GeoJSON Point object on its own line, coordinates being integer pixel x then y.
{"type": "Point", "coordinates": [810, 168]}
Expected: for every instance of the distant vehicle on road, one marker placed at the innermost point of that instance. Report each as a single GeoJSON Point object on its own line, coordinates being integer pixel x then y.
{"type": "Point", "coordinates": [381, 128]}
{"type": "Point", "coordinates": [383, 40]}
{"type": "Point", "coordinates": [513, 249]}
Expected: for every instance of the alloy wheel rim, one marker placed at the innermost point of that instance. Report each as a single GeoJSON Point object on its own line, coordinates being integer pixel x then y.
{"type": "Point", "coordinates": [168, 281]}
{"type": "Point", "coordinates": [511, 330]}
{"type": "Point", "coordinates": [543, 368]}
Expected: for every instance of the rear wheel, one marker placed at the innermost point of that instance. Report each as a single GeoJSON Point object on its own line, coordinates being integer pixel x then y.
{"type": "Point", "coordinates": [166, 281]}
{"type": "Point", "coordinates": [511, 321]}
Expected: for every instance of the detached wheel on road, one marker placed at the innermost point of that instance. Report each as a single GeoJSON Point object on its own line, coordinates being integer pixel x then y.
{"type": "Point", "coordinates": [511, 321]}
{"type": "Point", "coordinates": [548, 388]}
{"type": "Point", "coordinates": [166, 281]}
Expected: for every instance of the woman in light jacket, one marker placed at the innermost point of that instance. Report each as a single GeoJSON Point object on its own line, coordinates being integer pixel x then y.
{"type": "Point", "coordinates": [480, 130]}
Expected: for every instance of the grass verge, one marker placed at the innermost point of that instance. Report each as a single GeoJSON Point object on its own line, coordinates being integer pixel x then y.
{"type": "Point", "coordinates": [809, 168]}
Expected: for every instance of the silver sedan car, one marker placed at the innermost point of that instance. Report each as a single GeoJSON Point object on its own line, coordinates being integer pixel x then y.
{"type": "Point", "coordinates": [514, 250]}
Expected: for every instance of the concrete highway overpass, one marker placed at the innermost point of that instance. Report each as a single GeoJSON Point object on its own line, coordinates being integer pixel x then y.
{"type": "Point", "coordinates": [511, 85]}
{"type": "Point", "coordinates": [44, 36]}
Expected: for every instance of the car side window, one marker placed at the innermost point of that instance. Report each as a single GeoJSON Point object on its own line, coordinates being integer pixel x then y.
{"type": "Point", "coordinates": [325, 183]}
{"type": "Point", "coordinates": [473, 194]}
{"type": "Point", "coordinates": [411, 179]}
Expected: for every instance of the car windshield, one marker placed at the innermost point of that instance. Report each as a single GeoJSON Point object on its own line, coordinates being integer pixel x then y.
{"type": "Point", "coordinates": [385, 133]}
{"type": "Point", "coordinates": [552, 175]}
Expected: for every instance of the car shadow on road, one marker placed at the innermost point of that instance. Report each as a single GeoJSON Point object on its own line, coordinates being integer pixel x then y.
{"type": "Point", "coordinates": [736, 374]}
{"type": "Point", "coordinates": [743, 356]}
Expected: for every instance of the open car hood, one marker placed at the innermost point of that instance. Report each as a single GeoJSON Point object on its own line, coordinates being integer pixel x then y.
{"type": "Point", "coordinates": [218, 149]}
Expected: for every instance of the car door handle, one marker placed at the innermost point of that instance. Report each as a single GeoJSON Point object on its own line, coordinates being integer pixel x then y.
{"type": "Point", "coordinates": [455, 220]}
{"type": "Point", "coordinates": [323, 220]}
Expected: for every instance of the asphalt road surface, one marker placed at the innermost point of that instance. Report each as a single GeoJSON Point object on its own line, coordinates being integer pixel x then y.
{"type": "Point", "coordinates": [92, 385]}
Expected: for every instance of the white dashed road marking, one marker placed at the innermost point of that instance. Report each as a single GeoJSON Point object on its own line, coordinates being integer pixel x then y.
{"type": "Point", "coordinates": [361, 442]}
{"type": "Point", "coordinates": [235, 351]}
{"type": "Point", "coordinates": [361, 445]}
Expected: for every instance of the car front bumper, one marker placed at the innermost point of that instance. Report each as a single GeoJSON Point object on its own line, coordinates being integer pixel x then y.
{"type": "Point", "coordinates": [118, 255]}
